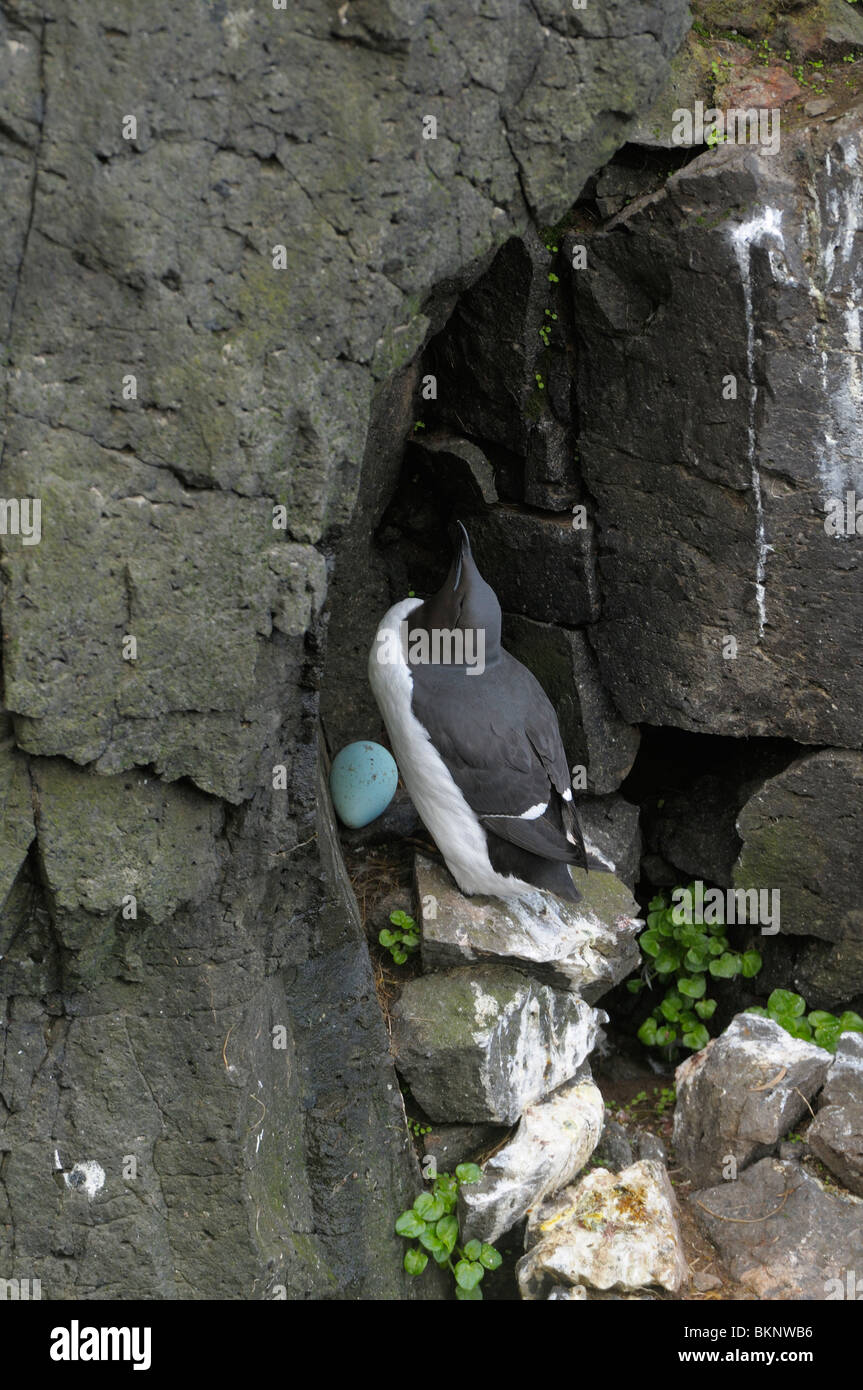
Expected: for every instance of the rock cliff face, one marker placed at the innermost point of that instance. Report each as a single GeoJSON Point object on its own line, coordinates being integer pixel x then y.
{"type": "Point", "coordinates": [721, 415]}
{"type": "Point", "coordinates": [225, 236]}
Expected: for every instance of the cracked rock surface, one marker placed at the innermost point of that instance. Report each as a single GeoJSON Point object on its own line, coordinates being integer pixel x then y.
{"type": "Point", "coordinates": [193, 418]}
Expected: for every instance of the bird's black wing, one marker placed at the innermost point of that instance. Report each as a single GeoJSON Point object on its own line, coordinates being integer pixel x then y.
{"type": "Point", "coordinates": [497, 734]}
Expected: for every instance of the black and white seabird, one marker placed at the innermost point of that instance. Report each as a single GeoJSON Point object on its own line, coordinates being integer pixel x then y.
{"type": "Point", "coordinates": [477, 741]}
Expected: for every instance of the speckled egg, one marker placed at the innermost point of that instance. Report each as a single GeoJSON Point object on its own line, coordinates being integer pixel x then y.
{"type": "Point", "coordinates": [363, 781]}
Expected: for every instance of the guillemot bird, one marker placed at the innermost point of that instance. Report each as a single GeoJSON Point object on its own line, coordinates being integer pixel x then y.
{"type": "Point", "coordinates": [476, 740]}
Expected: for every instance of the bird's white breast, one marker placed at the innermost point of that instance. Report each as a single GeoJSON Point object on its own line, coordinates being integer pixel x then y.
{"type": "Point", "coordinates": [449, 819]}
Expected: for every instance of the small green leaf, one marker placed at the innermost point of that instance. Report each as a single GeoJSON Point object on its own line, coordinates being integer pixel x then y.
{"type": "Point", "coordinates": [783, 1001]}
{"type": "Point", "coordinates": [429, 1206]}
{"type": "Point", "coordinates": [692, 986]}
{"type": "Point", "coordinates": [468, 1273]}
{"type": "Point", "coordinates": [827, 1036]}
{"type": "Point", "coordinates": [399, 956]}
{"type": "Point", "coordinates": [726, 966]}
{"type": "Point", "coordinates": [797, 1027]}
{"type": "Point", "coordinates": [387, 938]}
{"type": "Point", "coordinates": [650, 943]}
{"type": "Point", "coordinates": [431, 1242]}
{"type": "Point", "coordinates": [635, 986]}
{"type": "Point", "coordinates": [750, 964]}
{"type": "Point", "coordinates": [444, 1183]}
{"type": "Point", "coordinates": [468, 1295]}
{"type": "Point", "coordinates": [472, 1250]}
{"type": "Point", "coordinates": [468, 1172]}
{"type": "Point", "coordinates": [666, 961]}
{"type": "Point", "coordinates": [415, 1260]}
{"type": "Point", "coordinates": [696, 1038]}
{"type": "Point", "coordinates": [705, 1008]}
{"type": "Point", "coordinates": [665, 1035]}
{"type": "Point", "coordinates": [850, 1022]}
{"type": "Point", "coordinates": [447, 1231]}
{"type": "Point", "coordinates": [647, 1032]}
{"type": "Point", "coordinates": [671, 1006]}
{"type": "Point", "coordinates": [410, 1224]}
{"type": "Point", "coordinates": [819, 1017]}
{"type": "Point", "coordinates": [491, 1258]}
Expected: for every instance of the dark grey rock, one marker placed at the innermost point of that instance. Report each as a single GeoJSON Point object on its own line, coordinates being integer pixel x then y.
{"type": "Point", "coordinates": [537, 565]}
{"type": "Point", "coordinates": [468, 466]}
{"type": "Point", "coordinates": [844, 1084]}
{"type": "Point", "coordinates": [550, 466]}
{"type": "Point", "coordinates": [594, 735]}
{"type": "Point", "coordinates": [695, 826]}
{"type": "Point", "coordinates": [740, 1094]}
{"type": "Point", "coordinates": [791, 1149]}
{"type": "Point", "coordinates": [483, 1042]}
{"type": "Point", "coordinates": [684, 566]}
{"type": "Point", "coordinates": [698, 830]}
{"type": "Point", "coordinates": [803, 834]}
{"type": "Point", "coordinates": [165, 1040]}
{"type": "Point", "coordinates": [503, 375]}
{"type": "Point", "coordinates": [450, 1145]}
{"type": "Point", "coordinates": [689, 80]}
{"type": "Point", "coordinates": [659, 872]}
{"type": "Point", "coordinates": [17, 830]}
{"type": "Point", "coordinates": [836, 1137]}
{"type": "Point", "coordinates": [261, 1171]}
{"type": "Point", "coordinates": [398, 822]}
{"type": "Point", "coordinates": [618, 184]}
{"type": "Point", "coordinates": [612, 835]}
{"type": "Point", "coordinates": [829, 974]}
{"type": "Point", "coordinates": [614, 1150]}
{"type": "Point", "coordinates": [649, 1145]}
{"type": "Point", "coordinates": [781, 1234]}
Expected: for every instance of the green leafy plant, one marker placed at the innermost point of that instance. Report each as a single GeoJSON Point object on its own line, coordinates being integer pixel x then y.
{"type": "Point", "coordinates": [433, 1224]}
{"type": "Point", "coordinates": [818, 1026]}
{"type": "Point", "coordinates": [685, 956]}
{"type": "Point", "coordinates": [539, 381]}
{"type": "Point", "coordinates": [666, 1100]}
{"type": "Point", "coordinates": [418, 1129]}
{"type": "Point", "coordinates": [545, 328]}
{"type": "Point", "coordinates": [402, 942]}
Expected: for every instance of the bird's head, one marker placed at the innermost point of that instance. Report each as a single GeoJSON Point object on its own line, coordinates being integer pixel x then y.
{"type": "Point", "coordinates": [464, 600]}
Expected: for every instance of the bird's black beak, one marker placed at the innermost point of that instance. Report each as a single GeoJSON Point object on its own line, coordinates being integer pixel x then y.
{"type": "Point", "coordinates": [463, 543]}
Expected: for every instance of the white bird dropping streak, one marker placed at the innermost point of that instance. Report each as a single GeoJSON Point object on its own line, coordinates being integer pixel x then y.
{"type": "Point", "coordinates": [746, 235]}
{"type": "Point", "coordinates": [835, 285]}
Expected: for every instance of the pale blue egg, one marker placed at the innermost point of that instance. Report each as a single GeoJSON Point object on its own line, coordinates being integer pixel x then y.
{"type": "Point", "coordinates": [363, 781]}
